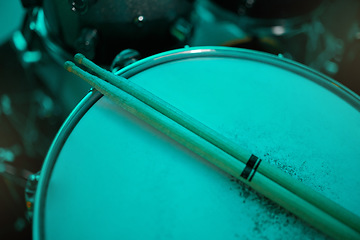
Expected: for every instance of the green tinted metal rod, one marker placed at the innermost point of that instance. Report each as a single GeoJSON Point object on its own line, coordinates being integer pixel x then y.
{"type": "Point", "coordinates": [226, 145]}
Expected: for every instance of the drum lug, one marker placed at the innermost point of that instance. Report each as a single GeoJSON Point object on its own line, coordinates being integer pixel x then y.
{"type": "Point", "coordinates": [124, 58]}
{"type": "Point", "coordinates": [30, 190]}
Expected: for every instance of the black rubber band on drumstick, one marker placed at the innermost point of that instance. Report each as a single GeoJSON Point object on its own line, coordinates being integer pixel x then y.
{"type": "Point", "coordinates": [255, 168]}
{"type": "Point", "coordinates": [250, 168]}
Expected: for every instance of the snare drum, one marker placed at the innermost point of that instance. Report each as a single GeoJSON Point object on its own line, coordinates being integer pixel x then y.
{"type": "Point", "coordinates": [109, 175]}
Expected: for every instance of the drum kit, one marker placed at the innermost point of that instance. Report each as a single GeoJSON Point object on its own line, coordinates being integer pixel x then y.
{"type": "Point", "coordinates": [260, 73]}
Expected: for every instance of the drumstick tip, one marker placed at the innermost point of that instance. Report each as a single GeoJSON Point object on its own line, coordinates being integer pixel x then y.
{"type": "Point", "coordinates": [79, 57]}
{"type": "Point", "coordinates": [68, 65]}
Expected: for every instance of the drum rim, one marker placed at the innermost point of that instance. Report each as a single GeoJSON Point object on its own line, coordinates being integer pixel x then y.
{"type": "Point", "coordinates": [231, 52]}
{"type": "Point", "coordinates": [174, 55]}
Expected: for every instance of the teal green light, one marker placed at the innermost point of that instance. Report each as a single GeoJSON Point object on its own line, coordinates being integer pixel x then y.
{"type": "Point", "coordinates": [32, 56]}
{"type": "Point", "coordinates": [11, 16]}
{"type": "Point", "coordinates": [19, 41]}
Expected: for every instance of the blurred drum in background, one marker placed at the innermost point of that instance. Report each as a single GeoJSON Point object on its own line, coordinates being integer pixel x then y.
{"type": "Point", "coordinates": [304, 31]}
{"type": "Point", "coordinates": [266, 25]}
{"type": "Point", "coordinates": [109, 175]}
{"type": "Point", "coordinates": [100, 29]}
{"type": "Point", "coordinates": [321, 34]}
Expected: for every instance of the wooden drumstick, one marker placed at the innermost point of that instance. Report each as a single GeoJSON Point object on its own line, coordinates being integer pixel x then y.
{"type": "Point", "coordinates": [254, 164]}
{"type": "Point", "coordinates": [295, 204]}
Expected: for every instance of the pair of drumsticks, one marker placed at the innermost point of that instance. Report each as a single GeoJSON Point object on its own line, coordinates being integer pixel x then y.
{"type": "Point", "coordinates": [309, 205]}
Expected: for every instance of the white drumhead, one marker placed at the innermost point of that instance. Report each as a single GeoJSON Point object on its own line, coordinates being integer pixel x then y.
{"type": "Point", "coordinates": [110, 176]}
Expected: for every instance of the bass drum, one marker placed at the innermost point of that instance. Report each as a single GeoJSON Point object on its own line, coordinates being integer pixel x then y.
{"type": "Point", "coordinates": [109, 175]}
